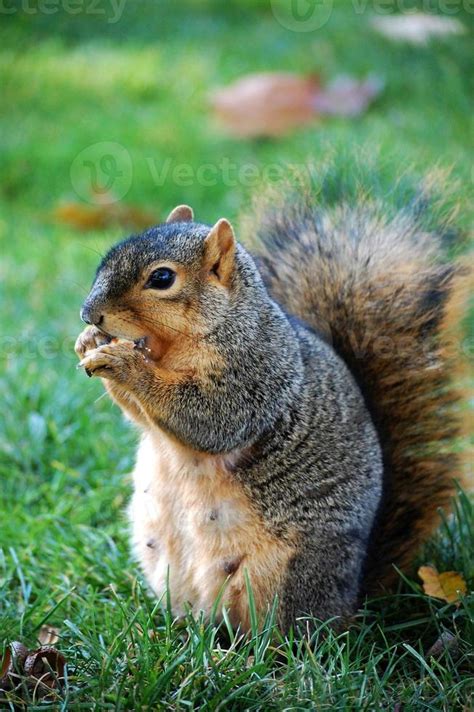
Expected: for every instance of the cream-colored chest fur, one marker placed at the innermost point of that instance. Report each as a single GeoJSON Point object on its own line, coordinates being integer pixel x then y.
{"type": "Point", "coordinates": [194, 526]}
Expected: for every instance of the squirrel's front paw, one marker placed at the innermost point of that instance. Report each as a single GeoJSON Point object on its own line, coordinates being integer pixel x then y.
{"type": "Point", "coordinates": [90, 339]}
{"type": "Point", "coordinates": [118, 361]}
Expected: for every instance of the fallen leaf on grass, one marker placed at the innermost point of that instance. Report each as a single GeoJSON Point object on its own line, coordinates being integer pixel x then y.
{"type": "Point", "coordinates": [42, 669]}
{"type": "Point", "coordinates": [446, 641]}
{"type": "Point", "coordinates": [48, 635]}
{"type": "Point", "coordinates": [274, 103]}
{"type": "Point", "coordinates": [447, 586]}
{"type": "Point", "coordinates": [345, 96]}
{"type": "Point", "coordinates": [12, 664]}
{"type": "Point", "coordinates": [266, 104]}
{"type": "Point", "coordinates": [98, 217]}
{"type": "Point", "coordinates": [417, 28]}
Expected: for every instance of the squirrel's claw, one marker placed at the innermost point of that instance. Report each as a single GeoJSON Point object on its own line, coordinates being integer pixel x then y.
{"type": "Point", "coordinates": [88, 371]}
{"type": "Point", "coordinates": [116, 361]}
{"type": "Point", "coordinates": [90, 339]}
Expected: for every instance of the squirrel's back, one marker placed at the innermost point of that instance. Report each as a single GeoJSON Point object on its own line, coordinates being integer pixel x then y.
{"type": "Point", "coordinates": [378, 289]}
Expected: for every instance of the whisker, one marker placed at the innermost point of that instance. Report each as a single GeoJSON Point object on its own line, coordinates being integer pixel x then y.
{"type": "Point", "coordinates": [167, 326]}
{"type": "Point", "coordinates": [86, 290]}
{"type": "Point", "coordinates": [103, 395]}
{"type": "Point", "coordinates": [92, 249]}
{"type": "Point", "coordinates": [157, 322]}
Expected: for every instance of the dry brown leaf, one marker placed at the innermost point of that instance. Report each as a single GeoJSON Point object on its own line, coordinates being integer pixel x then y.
{"type": "Point", "coordinates": [446, 642]}
{"type": "Point", "coordinates": [346, 96]}
{"type": "Point", "coordinates": [44, 668]}
{"type": "Point", "coordinates": [5, 668]}
{"type": "Point", "coordinates": [41, 669]}
{"type": "Point", "coordinates": [417, 28]}
{"type": "Point", "coordinates": [48, 635]}
{"type": "Point", "coordinates": [12, 664]}
{"type": "Point", "coordinates": [266, 104]}
{"type": "Point", "coordinates": [447, 586]}
{"type": "Point", "coordinates": [98, 217]}
{"type": "Point", "coordinates": [272, 104]}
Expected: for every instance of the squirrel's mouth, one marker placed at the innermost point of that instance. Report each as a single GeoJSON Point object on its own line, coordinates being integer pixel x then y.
{"type": "Point", "coordinates": [151, 345]}
{"type": "Point", "coordinates": [140, 343]}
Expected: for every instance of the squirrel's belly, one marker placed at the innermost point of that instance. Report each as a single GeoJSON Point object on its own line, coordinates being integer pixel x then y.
{"type": "Point", "coordinates": [194, 527]}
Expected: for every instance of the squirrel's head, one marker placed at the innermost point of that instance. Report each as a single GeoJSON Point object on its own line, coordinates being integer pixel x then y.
{"type": "Point", "coordinates": [174, 280]}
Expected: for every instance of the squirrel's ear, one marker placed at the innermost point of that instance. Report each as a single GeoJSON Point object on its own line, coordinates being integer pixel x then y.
{"type": "Point", "coordinates": [220, 250]}
{"type": "Point", "coordinates": [182, 213]}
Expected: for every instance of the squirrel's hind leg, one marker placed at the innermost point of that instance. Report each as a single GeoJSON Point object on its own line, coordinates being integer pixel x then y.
{"type": "Point", "coordinates": [323, 579]}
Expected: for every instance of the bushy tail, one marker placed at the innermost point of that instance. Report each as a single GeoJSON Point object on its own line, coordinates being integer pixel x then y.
{"type": "Point", "coordinates": [377, 289]}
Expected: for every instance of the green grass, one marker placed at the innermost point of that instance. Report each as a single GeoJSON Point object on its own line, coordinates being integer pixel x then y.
{"type": "Point", "coordinates": [70, 81]}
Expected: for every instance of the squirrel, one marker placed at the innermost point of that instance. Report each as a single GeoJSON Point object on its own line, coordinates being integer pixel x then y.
{"type": "Point", "coordinates": [295, 407]}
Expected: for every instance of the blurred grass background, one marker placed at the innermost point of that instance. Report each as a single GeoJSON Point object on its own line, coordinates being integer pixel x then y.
{"type": "Point", "coordinates": [139, 75]}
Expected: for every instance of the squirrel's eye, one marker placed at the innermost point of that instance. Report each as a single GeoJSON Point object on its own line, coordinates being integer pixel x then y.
{"type": "Point", "coordinates": [161, 278]}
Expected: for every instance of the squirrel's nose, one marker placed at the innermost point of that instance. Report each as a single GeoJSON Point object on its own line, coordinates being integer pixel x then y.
{"type": "Point", "coordinates": [91, 316]}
